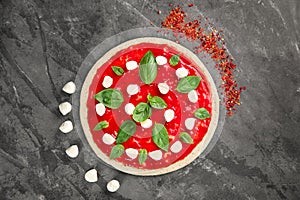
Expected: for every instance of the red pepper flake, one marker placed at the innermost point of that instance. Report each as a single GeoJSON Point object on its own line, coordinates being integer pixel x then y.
{"type": "Point", "coordinates": [191, 5]}
{"type": "Point", "coordinates": [212, 43]}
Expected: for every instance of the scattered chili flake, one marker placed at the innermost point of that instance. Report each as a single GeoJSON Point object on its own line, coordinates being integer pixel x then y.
{"type": "Point", "coordinates": [159, 12]}
{"type": "Point", "coordinates": [212, 43]}
{"type": "Point", "coordinates": [191, 5]}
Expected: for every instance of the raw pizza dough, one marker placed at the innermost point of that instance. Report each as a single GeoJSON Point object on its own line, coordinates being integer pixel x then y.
{"type": "Point", "coordinates": [177, 165]}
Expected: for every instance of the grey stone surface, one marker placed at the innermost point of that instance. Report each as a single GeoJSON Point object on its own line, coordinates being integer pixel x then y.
{"type": "Point", "coordinates": [42, 46]}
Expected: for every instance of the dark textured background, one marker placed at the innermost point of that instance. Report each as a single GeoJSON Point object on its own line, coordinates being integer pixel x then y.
{"type": "Point", "coordinates": [42, 46]}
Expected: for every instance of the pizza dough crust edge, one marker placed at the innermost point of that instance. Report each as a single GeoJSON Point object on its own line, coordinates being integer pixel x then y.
{"type": "Point", "coordinates": [177, 165]}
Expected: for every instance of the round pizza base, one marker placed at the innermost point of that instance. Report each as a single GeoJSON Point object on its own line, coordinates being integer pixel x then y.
{"type": "Point", "coordinates": [177, 165]}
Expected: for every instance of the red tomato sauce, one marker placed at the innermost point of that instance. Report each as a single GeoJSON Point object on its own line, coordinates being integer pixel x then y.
{"type": "Point", "coordinates": [179, 102]}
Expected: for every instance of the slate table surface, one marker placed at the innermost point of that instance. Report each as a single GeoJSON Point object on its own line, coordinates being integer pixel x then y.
{"type": "Point", "coordinates": [42, 46]}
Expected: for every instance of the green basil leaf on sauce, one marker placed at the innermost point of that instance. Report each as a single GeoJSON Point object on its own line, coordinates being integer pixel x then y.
{"type": "Point", "coordinates": [186, 138]}
{"type": "Point", "coordinates": [156, 102]}
{"type": "Point", "coordinates": [101, 125]}
{"type": "Point", "coordinates": [118, 70]}
{"type": "Point", "coordinates": [148, 68]}
{"type": "Point", "coordinates": [116, 151]}
{"type": "Point", "coordinates": [174, 60]}
{"type": "Point", "coordinates": [111, 98]}
{"type": "Point", "coordinates": [202, 113]}
{"type": "Point", "coordinates": [142, 156]}
{"type": "Point", "coordinates": [127, 129]}
{"type": "Point", "coordinates": [188, 84]}
{"type": "Point", "coordinates": [141, 112]}
{"type": "Point", "coordinates": [160, 136]}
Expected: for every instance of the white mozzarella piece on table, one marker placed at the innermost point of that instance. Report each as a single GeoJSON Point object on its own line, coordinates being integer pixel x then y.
{"type": "Point", "coordinates": [133, 89]}
{"type": "Point", "coordinates": [169, 115]}
{"type": "Point", "coordinates": [156, 155]}
{"type": "Point", "coordinates": [66, 126]}
{"type": "Point", "coordinates": [190, 123]}
{"type": "Point", "coordinates": [91, 176]}
{"type": "Point", "coordinates": [147, 123]}
{"type": "Point", "coordinates": [108, 139]}
{"type": "Point", "coordinates": [176, 147]}
{"type": "Point", "coordinates": [193, 96]}
{"type": "Point", "coordinates": [161, 60]}
{"type": "Point", "coordinates": [131, 153]}
{"type": "Point", "coordinates": [163, 88]}
{"type": "Point", "coordinates": [69, 87]}
{"type": "Point", "coordinates": [113, 185]}
{"type": "Point", "coordinates": [129, 108]}
{"type": "Point", "coordinates": [65, 108]}
{"type": "Point", "coordinates": [100, 109]}
{"type": "Point", "coordinates": [107, 81]}
{"type": "Point", "coordinates": [72, 151]}
{"type": "Point", "coordinates": [181, 72]}
{"type": "Point", "coordinates": [131, 65]}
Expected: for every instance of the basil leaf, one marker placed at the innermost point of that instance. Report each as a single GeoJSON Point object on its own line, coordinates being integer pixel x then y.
{"type": "Point", "coordinates": [156, 102]}
{"type": "Point", "coordinates": [141, 112]}
{"type": "Point", "coordinates": [101, 125]}
{"type": "Point", "coordinates": [160, 136]}
{"type": "Point", "coordinates": [174, 60]}
{"type": "Point", "coordinates": [188, 84]}
{"type": "Point", "coordinates": [116, 151]}
{"type": "Point", "coordinates": [186, 138]}
{"type": "Point", "coordinates": [148, 68]}
{"type": "Point", "coordinates": [111, 98]}
{"type": "Point", "coordinates": [126, 130]}
{"type": "Point", "coordinates": [202, 113]}
{"type": "Point", "coordinates": [142, 156]}
{"type": "Point", "coordinates": [118, 70]}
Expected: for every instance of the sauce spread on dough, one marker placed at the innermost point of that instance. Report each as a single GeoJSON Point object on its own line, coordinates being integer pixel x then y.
{"type": "Point", "coordinates": [176, 101]}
